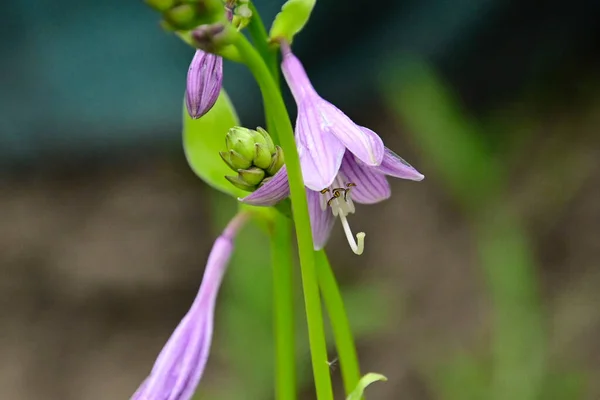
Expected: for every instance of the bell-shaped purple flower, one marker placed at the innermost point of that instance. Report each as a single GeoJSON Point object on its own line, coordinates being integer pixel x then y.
{"type": "Point", "coordinates": [354, 182]}
{"type": "Point", "coordinates": [180, 364]}
{"type": "Point", "coordinates": [341, 162]}
{"type": "Point", "coordinates": [204, 82]}
{"type": "Point", "coordinates": [323, 132]}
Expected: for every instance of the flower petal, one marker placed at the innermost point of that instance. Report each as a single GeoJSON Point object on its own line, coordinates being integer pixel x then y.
{"type": "Point", "coordinates": [180, 365]}
{"type": "Point", "coordinates": [271, 192]}
{"type": "Point", "coordinates": [320, 152]}
{"type": "Point", "coordinates": [394, 165]}
{"type": "Point", "coordinates": [363, 143]}
{"type": "Point", "coordinates": [371, 186]}
{"type": "Point", "coordinates": [296, 78]}
{"type": "Point", "coordinates": [321, 221]}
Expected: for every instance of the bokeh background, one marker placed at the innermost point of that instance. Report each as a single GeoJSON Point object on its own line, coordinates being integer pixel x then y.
{"type": "Point", "coordinates": [480, 282]}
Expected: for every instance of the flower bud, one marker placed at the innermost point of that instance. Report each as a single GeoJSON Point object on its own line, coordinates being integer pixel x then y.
{"type": "Point", "coordinates": [161, 5]}
{"type": "Point", "coordinates": [262, 157]}
{"type": "Point", "coordinates": [252, 176]}
{"type": "Point", "coordinates": [239, 183]}
{"type": "Point", "coordinates": [277, 161]}
{"type": "Point", "coordinates": [241, 140]}
{"type": "Point", "coordinates": [234, 160]}
{"type": "Point", "coordinates": [268, 141]}
{"type": "Point", "coordinates": [204, 81]}
{"type": "Point", "coordinates": [182, 17]}
{"type": "Point", "coordinates": [253, 155]}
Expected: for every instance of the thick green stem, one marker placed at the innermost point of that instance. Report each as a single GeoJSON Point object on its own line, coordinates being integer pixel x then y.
{"type": "Point", "coordinates": [342, 333]}
{"type": "Point", "coordinates": [283, 309]}
{"type": "Point", "coordinates": [281, 121]}
{"type": "Point", "coordinates": [259, 36]}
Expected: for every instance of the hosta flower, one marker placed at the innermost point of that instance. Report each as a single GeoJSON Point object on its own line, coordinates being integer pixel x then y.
{"type": "Point", "coordinates": [180, 364]}
{"type": "Point", "coordinates": [204, 82]}
{"type": "Point", "coordinates": [342, 162]}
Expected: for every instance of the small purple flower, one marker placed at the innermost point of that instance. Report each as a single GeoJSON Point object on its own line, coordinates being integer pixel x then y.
{"type": "Point", "coordinates": [204, 82]}
{"type": "Point", "coordinates": [341, 162]}
{"type": "Point", "coordinates": [180, 364]}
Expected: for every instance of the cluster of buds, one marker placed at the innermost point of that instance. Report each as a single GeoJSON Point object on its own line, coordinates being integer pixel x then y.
{"type": "Point", "coordinates": [253, 155]}
{"type": "Point", "coordinates": [241, 13]}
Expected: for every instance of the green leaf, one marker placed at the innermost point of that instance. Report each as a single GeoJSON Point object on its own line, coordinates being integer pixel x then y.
{"type": "Point", "coordinates": [363, 383]}
{"type": "Point", "coordinates": [203, 138]}
{"type": "Point", "coordinates": [292, 18]}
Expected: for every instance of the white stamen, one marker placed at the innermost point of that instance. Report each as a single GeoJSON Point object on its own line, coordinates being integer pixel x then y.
{"type": "Point", "coordinates": [360, 237]}
{"type": "Point", "coordinates": [341, 206]}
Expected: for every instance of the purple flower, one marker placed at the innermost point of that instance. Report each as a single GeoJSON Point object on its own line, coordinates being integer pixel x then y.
{"type": "Point", "coordinates": [204, 81]}
{"type": "Point", "coordinates": [341, 162]}
{"type": "Point", "coordinates": [180, 364]}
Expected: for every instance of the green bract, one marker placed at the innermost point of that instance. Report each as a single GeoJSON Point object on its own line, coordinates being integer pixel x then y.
{"type": "Point", "coordinates": [203, 139]}
{"type": "Point", "coordinates": [363, 383]}
{"type": "Point", "coordinates": [292, 18]}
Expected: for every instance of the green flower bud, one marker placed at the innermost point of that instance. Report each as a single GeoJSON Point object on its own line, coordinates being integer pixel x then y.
{"type": "Point", "coordinates": [239, 183]}
{"type": "Point", "coordinates": [253, 155]}
{"type": "Point", "coordinates": [267, 138]}
{"type": "Point", "coordinates": [252, 176]}
{"type": "Point", "coordinates": [241, 140]}
{"type": "Point", "coordinates": [182, 17]}
{"type": "Point", "coordinates": [161, 5]}
{"type": "Point", "coordinates": [234, 160]}
{"type": "Point", "coordinates": [277, 161]}
{"type": "Point", "coordinates": [262, 157]}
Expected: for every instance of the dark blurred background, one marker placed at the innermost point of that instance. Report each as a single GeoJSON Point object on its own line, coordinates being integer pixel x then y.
{"type": "Point", "coordinates": [480, 282]}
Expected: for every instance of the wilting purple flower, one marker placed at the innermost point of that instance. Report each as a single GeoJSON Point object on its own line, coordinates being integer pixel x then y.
{"type": "Point", "coordinates": [204, 82]}
{"type": "Point", "coordinates": [180, 364]}
{"type": "Point", "coordinates": [341, 162]}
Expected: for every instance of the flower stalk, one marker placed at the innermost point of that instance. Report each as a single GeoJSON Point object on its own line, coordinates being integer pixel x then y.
{"type": "Point", "coordinates": [281, 122]}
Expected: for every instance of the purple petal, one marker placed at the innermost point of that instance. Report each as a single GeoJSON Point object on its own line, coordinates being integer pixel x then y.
{"type": "Point", "coordinates": [272, 192]}
{"type": "Point", "coordinates": [363, 143]}
{"type": "Point", "coordinates": [296, 77]}
{"type": "Point", "coordinates": [204, 81]}
{"type": "Point", "coordinates": [371, 186]}
{"type": "Point", "coordinates": [321, 221]}
{"type": "Point", "coordinates": [320, 152]}
{"type": "Point", "coordinates": [394, 165]}
{"type": "Point", "coordinates": [180, 365]}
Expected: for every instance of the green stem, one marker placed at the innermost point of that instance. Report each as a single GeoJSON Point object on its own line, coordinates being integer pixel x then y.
{"type": "Point", "coordinates": [342, 333]}
{"type": "Point", "coordinates": [283, 307]}
{"type": "Point", "coordinates": [260, 37]}
{"type": "Point", "coordinates": [314, 315]}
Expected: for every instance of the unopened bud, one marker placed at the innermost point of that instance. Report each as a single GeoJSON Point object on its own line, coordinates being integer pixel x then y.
{"type": "Point", "coordinates": [161, 5]}
{"type": "Point", "coordinates": [277, 161]}
{"type": "Point", "coordinates": [182, 17]}
{"type": "Point", "coordinates": [204, 81]}
{"type": "Point", "coordinates": [268, 141]}
{"type": "Point", "coordinates": [252, 176]}
{"type": "Point", "coordinates": [240, 140]}
{"type": "Point", "coordinates": [253, 155]}
{"type": "Point", "coordinates": [262, 156]}
{"type": "Point", "coordinates": [239, 183]}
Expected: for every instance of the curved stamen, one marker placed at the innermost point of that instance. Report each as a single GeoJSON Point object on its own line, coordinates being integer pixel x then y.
{"type": "Point", "coordinates": [359, 247]}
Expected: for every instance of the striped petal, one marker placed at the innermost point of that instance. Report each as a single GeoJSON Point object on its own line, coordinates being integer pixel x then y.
{"type": "Point", "coordinates": [320, 152]}
{"type": "Point", "coordinates": [371, 186]}
{"type": "Point", "coordinates": [363, 143]}
{"type": "Point", "coordinates": [272, 192]}
{"type": "Point", "coordinates": [321, 220]}
{"type": "Point", "coordinates": [394, 165]}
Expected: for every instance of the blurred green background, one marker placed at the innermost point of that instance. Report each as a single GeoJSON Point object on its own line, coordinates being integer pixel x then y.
{"type": "Point", "coordinates": [480, 282]}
